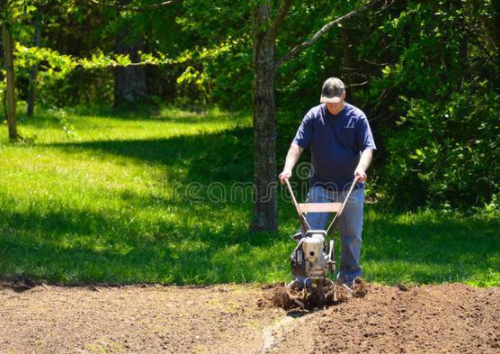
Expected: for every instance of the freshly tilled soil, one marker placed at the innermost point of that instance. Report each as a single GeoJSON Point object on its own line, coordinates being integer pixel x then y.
{"type": "Point", "coordinates": [289, 298]}
{"type": "Point", "coordinates": [452, 318]}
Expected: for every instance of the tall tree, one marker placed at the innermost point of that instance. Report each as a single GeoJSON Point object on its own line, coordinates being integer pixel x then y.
{"type": "Point", "coordinates": [8, 47]}
{"type": "Point", "coordinates": [264, 120]}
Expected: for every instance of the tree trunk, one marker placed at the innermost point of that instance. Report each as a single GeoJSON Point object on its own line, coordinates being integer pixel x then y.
{"type": "Point", "coordinates": [8, 47]}
{"type": "Point", "coordinates": [34, 71]}
{"type": "Point", "coordinates": [130, 81]}
{"type": "Point", "coordinates": [264, 121]}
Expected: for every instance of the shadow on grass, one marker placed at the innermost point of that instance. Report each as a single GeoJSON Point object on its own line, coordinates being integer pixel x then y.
{"type": "Point", "coordinates": [208, 157]}
{"type": "Point", "coordinates": [76, 246]}
{"type": "Point", "coordinates": [68, 244]}
{"type": "Point", "coordinates": [52, 117]}
{"type": "Point", "coordinates": [73, 245]}
{"type": "Point", "coordinates": [81, 246]}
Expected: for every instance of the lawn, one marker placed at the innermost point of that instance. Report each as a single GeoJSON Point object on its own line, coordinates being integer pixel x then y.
{"type": "Point", "coordinates": [100, 196]}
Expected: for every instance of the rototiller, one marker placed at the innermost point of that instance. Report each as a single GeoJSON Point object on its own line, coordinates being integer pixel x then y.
{"type": "Point", "coordinates": [313, 256]}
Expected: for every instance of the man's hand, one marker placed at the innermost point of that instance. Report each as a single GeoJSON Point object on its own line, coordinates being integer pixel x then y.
{"type": "Point", "coordinates": [291, 159]}
{"type": "Point", "coordinates": [286, 174]}
{"type": "Point", "coordinates": [364, 162]}
{"type": "Point", "coordinates": [360, 174]}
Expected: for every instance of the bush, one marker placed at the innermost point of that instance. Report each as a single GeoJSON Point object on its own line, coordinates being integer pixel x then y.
{"type": "Point", "coordinates": [445, 154]}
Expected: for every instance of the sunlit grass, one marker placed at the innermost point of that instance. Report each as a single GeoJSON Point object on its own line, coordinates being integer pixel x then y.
{"type": "Point", "coordinates": [99, 196]}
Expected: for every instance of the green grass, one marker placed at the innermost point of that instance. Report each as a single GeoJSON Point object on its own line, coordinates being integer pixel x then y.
{"type": "Point", "coordinates": [103, 197]}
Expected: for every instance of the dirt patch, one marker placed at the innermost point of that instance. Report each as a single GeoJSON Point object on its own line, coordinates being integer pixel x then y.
{"type": "Point", "coordinates": [133, 319]}
{"type": "Point", "coordinates": [452, 318]}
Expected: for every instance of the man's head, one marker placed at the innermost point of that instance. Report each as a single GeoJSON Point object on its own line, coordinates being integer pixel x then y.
{"type": "Point", "coordinates": [333, 94]}
{"type": "Point", "coordinates": [333, 91]}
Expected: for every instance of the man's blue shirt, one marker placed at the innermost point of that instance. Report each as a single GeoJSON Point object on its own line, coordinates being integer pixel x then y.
{"type": "Point", "coordinates": [336, 143]}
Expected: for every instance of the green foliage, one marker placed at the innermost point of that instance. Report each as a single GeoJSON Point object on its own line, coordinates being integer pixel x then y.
{"type": "Point", "coordinates": [212, 75]}
{"type": "Point", "coordinates": [299, 80]}
{"type": "Point", "coordinates": [443, 153]}
{"type": "Point", "coordinates": [426, 73]}
{"type": "Point", "coordinates": [444, 110]}
{"type": "Point", "coordinates": [221, 49]}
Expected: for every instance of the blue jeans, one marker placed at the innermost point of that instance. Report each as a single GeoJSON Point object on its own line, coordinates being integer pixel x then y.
{"type": "Point", "coordinates": [350, 225]}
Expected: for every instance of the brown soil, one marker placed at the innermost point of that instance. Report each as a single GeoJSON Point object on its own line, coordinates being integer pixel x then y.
{"type": "Point", "coordinates": [452, 318]}
{"type": "Point", "coordinates": [289, 298]}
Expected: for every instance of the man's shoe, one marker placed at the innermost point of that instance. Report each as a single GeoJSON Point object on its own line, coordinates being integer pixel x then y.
{"type": "Point", "coordinates": [349, 279]}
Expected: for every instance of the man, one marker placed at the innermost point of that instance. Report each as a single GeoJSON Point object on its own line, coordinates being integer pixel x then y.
{"type": "Point", "coordinates": [341, 149]}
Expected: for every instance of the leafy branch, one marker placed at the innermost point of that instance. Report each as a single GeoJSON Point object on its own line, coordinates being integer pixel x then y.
{"type": "Point", "coordinates": [60, 65]}
{"type": "Point", "coordinates": [294, 51]}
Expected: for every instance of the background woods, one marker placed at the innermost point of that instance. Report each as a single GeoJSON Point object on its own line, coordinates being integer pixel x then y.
{"type": "Point", "coordinates": [426, 73]}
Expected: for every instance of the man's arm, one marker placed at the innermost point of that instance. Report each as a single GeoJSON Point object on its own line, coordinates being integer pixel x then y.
{"type": "Point", "coordinates": [291, 159]}
{"type": "Point", "coordinates": [364, 162]}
